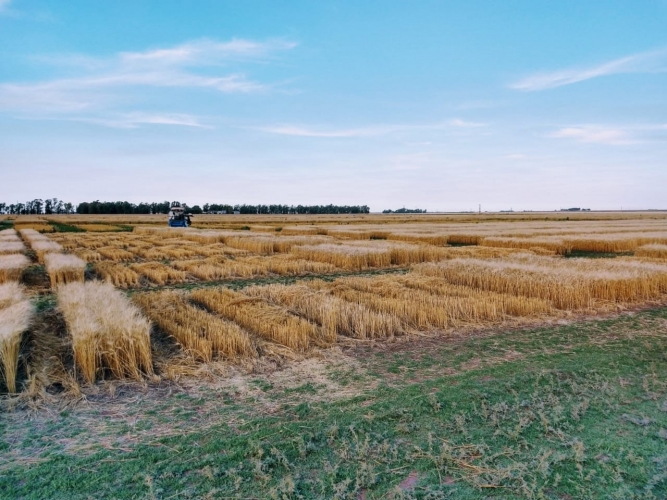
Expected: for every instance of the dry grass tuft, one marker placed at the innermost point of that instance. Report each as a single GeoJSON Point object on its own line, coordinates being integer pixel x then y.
{"type": "Point", "coordinates": [12, 266]}
{"type": "Point", "coordinates": [64, 268]}
{"type": "Point", "coordinates": [258, 316]}
{"type": "Point", "coordinates": [200, 333]}
{"type": "Point", "coordinates": [15, 314]}
{"type": "Point", "coordinates": [108, 331]}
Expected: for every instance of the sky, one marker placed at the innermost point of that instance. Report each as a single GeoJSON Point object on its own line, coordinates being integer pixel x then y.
{"type": "Point", "coordinates": [439, 105]}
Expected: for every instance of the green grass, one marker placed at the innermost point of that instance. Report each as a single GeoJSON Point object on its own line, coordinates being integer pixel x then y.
{"type": "Point", "coordinates": [60, 227]}
{"type": "Point", "coordinates": [558, 412]}
{"type": "Point", "coordinates": [597, 255]}
{"type": "Point", "coordinates": [6, 224]}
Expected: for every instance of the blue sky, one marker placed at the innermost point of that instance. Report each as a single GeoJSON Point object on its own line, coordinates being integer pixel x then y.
{"type": "Point", "coordinates": [438, 105]}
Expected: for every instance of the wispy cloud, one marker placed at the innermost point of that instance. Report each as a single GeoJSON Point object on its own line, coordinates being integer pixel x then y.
{"type": "Point", "coordinates": [176, 66]}
{"type": "Point", "coordinates": [298, 131]}
{"type": "Point", "coordinates": [595, 134]}
{"type": "Point", "coordinates": [368, 131]}
{"type": "Point", "coordinates": [617, 135]}
{"type": "Point", "coordinates": [206, 52]}
{"type": "Point", "coordinates": [645, 62]}
{"type": "Point", "coordinates": [4, 4]}
{"type": "Point", "coordinates": [135, 120]}
{"type": "Point", "coordinates": [457, 122]}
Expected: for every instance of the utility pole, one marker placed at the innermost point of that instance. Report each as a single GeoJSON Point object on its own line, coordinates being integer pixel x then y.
{"type": "Point", "coordinates": [480, 208]}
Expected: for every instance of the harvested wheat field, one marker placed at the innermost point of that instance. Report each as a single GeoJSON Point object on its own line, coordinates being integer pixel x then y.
{"type": "Point", "coordinates": [244, 289]}
{"type": "Point", "coordinates": [373, 314]}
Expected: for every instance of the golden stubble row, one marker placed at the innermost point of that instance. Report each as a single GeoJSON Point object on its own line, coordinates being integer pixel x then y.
{"type": "Point", "coordinates": [262, 318]}
{"type": "Point", "coordinates": [199, 333]}
{"type": "Point", "coordinates": [425, 304]}
{"type": "Point", "coordinates": [64, 268]}
{"type": "Point", "coordinates": [335, 315]}
{"type": "Point", "coordinates": [108, 332]}
{"type": "Point", "coordinates": [16, 312]}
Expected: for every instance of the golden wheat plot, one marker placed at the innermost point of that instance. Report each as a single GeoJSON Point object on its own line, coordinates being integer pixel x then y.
{"type": "Point", "coordinates": [200, 333]}
{"type": "Point", "coordinates": [88, 255]}
{"type": "Point", "coordinates": [423, 303]}
{"type": "Point", "coordinates": [12, 266]}
{"type": "Point", "coordinates": [179, 252]}
{"type": "Point", "coordinates": [117, 274]}
{"type": "Point", "coordinates": [98, 228]}
{"type": "Point", "coordinates": [555, 245]}
{"type": "Point", "coordinates": [417, 310]}
{"type": "Point", "coordinates": [304, 231]}
{"type": "Point", "coordinates": [64, 268]}
{"type": "Point", "coordinates": [219, 268]}
{"type": "Point", "coordinates": [115, 254]}
{"type": "Point", "coordinates": [108, 332]}
{"type": "Point", "coordinates": [11, 247]}
{"type": "Point", "coordinates": [412, 237]}
{"type": "Point", "coordinates": [334, 315]}
{"type": "Point", "coordinates": [258, 316]}
{"type": "Point", "coordinates": [478, 305]}
{"type": "Point", "coordinates": [10, 242]}
{"type": "Point", "coordinates": [158, 273]}
{"type": "Point", "coordinates": [8, 233]}
{"type": "Point", "coordinates": [40, 244]}
{"type": "Point", "coordinates": [41, 248]}
{"type": "Point", "coordinates": [35, 226]}
{"type": "Point", "coordinates": [345, 256]}
{"type": "Point", "coordinates": [653, 251]}
{"type": "Point", "coordinates": [15, 314]}
{"type": "Point", "coordinates": [568, 284]}
{"type": "Point", "coordinates": [627, 242]}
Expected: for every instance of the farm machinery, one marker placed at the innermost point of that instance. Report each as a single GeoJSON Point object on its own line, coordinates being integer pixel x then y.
{"type": "Point", "coordinates": [178, 217]}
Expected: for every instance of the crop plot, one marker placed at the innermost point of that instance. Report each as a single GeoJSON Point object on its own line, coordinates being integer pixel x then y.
{"type": "Point", "coordinates": [234, 295]}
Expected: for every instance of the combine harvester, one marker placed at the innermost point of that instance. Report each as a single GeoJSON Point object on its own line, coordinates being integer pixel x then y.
{"type": "Point", "coordinates": [178, 217]}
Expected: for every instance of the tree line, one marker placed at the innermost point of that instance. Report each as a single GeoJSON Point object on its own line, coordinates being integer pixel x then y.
{"type": "Point", "coordinates": [38, 206]}
{"type": "Point", "coordinates": [54, 206]}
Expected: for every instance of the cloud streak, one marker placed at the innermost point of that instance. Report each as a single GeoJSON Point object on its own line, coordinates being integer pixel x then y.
{"type": "Point", "coordinates": [135, 120]}
{"type": "Point", "coordinates": [645, 62]}
{"type": "Point", "coordinates": [594, 134]}
{"type": "Point", "coordinates": [613, 136]}
{"type": "Point", "coordinates": [170, 67]}
{"type": "Point", "coordinates": [369, 131]}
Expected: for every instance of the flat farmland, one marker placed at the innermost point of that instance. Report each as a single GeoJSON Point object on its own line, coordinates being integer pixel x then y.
{"type": "Point", "coordinates": [366, 356]}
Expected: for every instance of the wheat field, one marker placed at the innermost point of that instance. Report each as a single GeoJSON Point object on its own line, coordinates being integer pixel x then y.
{"type": "Point", "coordinates": [233, 290]}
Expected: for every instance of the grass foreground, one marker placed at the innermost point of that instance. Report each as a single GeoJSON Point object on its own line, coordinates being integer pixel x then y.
{"type": "Point", "coordinates": [564, 411]}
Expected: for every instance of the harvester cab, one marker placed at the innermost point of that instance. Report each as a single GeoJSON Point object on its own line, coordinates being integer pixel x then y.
{"type": "Point", "coordinates": [177, 216]}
